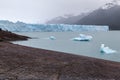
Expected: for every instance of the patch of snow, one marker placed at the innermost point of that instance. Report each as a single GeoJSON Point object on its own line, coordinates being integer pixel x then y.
{"type": "Point", "coordinates": [111, 4]}
{"type": "Point", "coordinates": [108, 6]}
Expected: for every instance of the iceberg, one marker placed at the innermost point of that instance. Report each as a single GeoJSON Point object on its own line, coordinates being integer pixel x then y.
{"type": "Point", "coordinates": [52, 38]}
{"type": "Point", "coordinates": [106, 50]}
{"type": "Point", "coordinates": [83, 37]}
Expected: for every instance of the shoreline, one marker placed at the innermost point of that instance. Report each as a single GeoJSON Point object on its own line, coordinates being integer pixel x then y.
{"type": "Point", "coordinates": [25, 63]}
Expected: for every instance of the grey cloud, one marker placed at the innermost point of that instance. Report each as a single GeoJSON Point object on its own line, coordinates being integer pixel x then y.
{"type": "Point", "coordinates": [34, 11]}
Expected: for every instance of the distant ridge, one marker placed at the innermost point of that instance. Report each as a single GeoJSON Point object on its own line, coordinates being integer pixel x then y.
{"type": "Point", "coordinates": [66, 19]}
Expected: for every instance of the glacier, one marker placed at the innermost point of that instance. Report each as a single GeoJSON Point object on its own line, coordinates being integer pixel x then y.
{"type": "Point", "coordinates": [24, 27]}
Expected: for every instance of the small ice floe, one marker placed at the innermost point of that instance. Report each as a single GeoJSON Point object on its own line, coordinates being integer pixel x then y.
{"type": "Point", "coordinates": [52, 38]}
{"type": "Point", "coordinates": [83, 37]}
{"type": "Point", "coordinates": [106, 50]}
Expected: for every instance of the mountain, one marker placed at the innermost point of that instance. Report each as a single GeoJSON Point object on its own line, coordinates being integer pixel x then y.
{"type": "Point", "coordinates": [66, 19]}
{"type": "Point", "coordinates": [23, 27]}
{"type": "Point", "coordinates": [109, 15]}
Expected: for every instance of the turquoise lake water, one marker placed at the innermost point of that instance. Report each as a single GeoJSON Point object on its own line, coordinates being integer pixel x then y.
{"type": "Point", "coordinates": [64, 43]}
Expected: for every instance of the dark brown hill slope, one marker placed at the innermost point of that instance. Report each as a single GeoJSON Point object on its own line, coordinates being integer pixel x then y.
{"type": "Point", "coordinates": [9, 36]}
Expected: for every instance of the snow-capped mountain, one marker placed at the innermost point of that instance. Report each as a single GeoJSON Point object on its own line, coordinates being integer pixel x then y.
{"type": "Point", "coordinates": [23, 27]}
{"type": "Point", "coordinates": [109, 14]}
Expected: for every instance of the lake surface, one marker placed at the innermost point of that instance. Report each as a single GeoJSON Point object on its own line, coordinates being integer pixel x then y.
{"type": "Point", "coordinates": [64, 43]}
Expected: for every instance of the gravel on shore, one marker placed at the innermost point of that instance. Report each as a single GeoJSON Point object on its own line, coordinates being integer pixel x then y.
{"type": "Point", "coordinates": [26, 63]}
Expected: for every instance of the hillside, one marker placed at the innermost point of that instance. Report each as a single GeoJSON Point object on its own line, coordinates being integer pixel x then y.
{"type": "Point", "coordinates": [9, 36]}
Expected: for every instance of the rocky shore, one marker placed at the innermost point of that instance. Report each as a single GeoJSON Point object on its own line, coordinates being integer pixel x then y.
{"type": "Point", "coordinates": [9, 36]}
{"type": "Point", "coordinates": [26, 63]}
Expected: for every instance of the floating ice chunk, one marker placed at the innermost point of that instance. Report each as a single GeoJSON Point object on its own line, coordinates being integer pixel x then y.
{"type": "Point", "coordinates": [106, 50]}
{"type": "Point", "coordinates": [83, 37]}
{"type": "Point", "coordinates": [52, 38]}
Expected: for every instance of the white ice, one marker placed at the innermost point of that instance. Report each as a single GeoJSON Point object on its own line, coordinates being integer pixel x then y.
{"type": "Point", "coordinates": [23, 27]}
{"type": "Point", "coordinates": [106, 50]}
{"type": "Point", "coordinates": [52, 38]}
{"type": "Point", "coordinates": [83, 37]}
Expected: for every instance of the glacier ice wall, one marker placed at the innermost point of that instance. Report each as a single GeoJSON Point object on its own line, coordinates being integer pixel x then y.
{"type": "Point", "coordinates": [23, 27]}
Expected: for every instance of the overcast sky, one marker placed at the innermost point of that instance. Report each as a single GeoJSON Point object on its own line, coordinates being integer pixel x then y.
{"type": "Point", "coordinates": [39, 11]}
